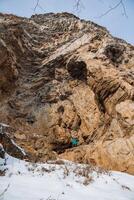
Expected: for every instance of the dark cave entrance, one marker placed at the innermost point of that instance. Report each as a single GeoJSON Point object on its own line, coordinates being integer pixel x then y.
{"type": "Point", "coordinates": [77, 70]}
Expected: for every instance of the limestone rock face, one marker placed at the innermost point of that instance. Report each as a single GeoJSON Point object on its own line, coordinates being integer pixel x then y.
{"type": "Point", "coordinates": [61, 76]}
{"type": "Point", "coordinates": [7, 144]}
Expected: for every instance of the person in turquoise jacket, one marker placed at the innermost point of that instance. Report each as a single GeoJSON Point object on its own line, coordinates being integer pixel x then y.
{"type": "Point", "coordinates": [74, 142]}
{"type": "Point", "coordinates": [74, 137]}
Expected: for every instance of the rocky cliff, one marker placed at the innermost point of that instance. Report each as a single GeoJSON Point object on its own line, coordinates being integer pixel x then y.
{"type": "Point", "coordinates": [60, 75]}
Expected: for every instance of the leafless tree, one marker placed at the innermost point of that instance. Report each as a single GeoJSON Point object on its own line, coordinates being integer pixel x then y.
{"type": "Point", "coordinates": [79, 5]}
{"type": "Point", "coordinates": [38, 6]}
{"type": "Point", "coordinates": [120, 3]}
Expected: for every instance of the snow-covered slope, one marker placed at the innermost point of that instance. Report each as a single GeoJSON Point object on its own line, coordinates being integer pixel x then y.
{"type": "Point", "coordinates": [62, 181]}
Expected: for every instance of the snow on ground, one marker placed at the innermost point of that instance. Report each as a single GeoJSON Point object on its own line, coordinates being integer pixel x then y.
{"type": "Point", "coordinates": [63, 181]}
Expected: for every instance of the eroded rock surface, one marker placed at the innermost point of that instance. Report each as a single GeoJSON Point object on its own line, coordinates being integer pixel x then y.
{"type": "Point", "coordinates": [7, 144]}
{"type": "Point", "coordinates": [59, 75]}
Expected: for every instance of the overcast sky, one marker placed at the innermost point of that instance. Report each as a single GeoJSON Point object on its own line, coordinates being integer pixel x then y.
{"type": "Point", "coordinates": [115, 21]}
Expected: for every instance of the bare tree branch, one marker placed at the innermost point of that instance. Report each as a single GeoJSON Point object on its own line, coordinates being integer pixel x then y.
{"type": "Point", "coordinates": [38, 6]}
{"type": "Point", "coordinates": [124, 9]}
{"type": "Point", "coordinates": [5, 190]}
{"type": "Point", "coordinates": [78, 6]}
{"type": "Point", "coordinates": [120, 3]}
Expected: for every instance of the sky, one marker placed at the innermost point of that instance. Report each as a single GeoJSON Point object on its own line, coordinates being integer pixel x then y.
{"type": "Point", "coordinates": [116, 22]}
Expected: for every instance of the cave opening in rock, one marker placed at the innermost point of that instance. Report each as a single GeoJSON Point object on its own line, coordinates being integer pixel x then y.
{"type": "Point", "coordinates": [114, 52]}
{"type": "Point", "coordinates": [60, 109]}
{"type": "Point", "coordinates": [61, 148]}
{"type": "Point", "coordinates": [77, 70]}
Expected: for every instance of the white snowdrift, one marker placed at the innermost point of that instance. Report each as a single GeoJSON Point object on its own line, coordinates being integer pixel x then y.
{"type": "Point", "coordinates": [26, 181]}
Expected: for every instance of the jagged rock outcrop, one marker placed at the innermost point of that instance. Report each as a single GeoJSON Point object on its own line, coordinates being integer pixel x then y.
{"type": "Point", "coordinates": [7, 144]}
{"type": "Point", "coordinates": [59, 75]}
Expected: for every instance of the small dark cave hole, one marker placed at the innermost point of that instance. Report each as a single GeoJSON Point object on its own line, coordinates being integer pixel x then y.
{"type": "Point", "coordinates": [114, 52]}
{"type": "Point", "coordinates": [77, 70]}
{"type": "Point", "coordinates": [60, 109]}
{"type": "Point", "coordinates": [61, 148]}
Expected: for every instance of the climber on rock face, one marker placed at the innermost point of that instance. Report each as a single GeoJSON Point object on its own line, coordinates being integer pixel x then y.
{"type": "Point", "coordinates": [74, 138]}
{"type": "Point", "coordinates": [74, 142]}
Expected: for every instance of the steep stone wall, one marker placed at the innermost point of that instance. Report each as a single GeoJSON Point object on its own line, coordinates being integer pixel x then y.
{"type": "Point", "coordinates": [61, 76]}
